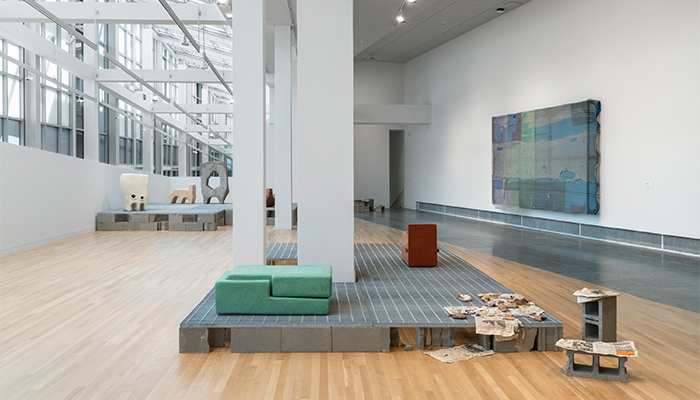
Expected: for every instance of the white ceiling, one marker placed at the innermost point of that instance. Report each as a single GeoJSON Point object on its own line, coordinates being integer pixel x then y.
{"type": "Point", "coordinates": [429, 24]}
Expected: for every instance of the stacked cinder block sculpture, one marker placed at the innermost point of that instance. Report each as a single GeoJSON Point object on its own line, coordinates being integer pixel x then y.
{"type": "Point", "coordinates": [599, 320]}
{"type": "Point", "coordinates": [221, 191]}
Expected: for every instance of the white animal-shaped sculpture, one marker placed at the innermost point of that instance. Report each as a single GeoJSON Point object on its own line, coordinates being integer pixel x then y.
{"type": "Point", "coordinates": [180, 195]}
{"type": "Point", "coordinates": [134, 188]}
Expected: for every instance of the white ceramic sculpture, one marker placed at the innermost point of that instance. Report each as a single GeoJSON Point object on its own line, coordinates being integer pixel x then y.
{"type": "Point", "coordinates": [134, 188]}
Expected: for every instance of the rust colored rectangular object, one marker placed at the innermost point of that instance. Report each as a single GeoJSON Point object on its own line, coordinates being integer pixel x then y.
{"type": "Point", "coordinates": [419, 245]}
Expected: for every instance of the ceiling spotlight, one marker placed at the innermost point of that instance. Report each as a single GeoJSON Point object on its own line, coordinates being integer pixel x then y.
{"type": "Point", "coordinates": [400, 19]}
{"type": "Point", "coordinates": [118, 116]}
{"type": "Point", "coordinates": [500, 10]}
{"type": "Point", "coordinates": [211, 135]}
{"type": "Point", "coordinates": [155, 98]}
{"type": "Point", "coordinates": [29, 78]}
{"type": "Point", "coordinates": [221, 2]}
{"type": "Point", "coordinates": [229, 15]}
{"type": "Point", "coordinates": [230, 101]}
{"type": "Point", "coordinates": [411, 1]}
{"type": "Point", "coordinates": [81, 100]}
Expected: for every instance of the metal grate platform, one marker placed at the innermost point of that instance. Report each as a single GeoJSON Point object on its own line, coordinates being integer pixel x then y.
{"type": "Point", "coordinates": [387, 294]}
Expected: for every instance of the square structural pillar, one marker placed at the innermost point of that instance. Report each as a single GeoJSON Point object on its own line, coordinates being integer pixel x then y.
{"type": "Point", "coordinates": [248, 189]}
{"type": "Point", "coordinates": [283, 127]}
{"type": "Point", "coordinates": [325, 135]}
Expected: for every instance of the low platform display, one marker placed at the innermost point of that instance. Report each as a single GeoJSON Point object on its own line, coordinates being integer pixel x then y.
{"type": "Point", "coordinates": [364, 316]}
{"type": "Point", "coordinates": [167, 217]}
{"type": "Point", "coordinates": [274, 290]}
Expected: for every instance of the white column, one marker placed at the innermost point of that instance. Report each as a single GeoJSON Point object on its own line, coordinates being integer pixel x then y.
{"type": "Point", "coordinates": [249, 133]}
{"type": "Point", "coordinates": [283, 127]}
{"type": "Point", "coordinates": [147, 58]}
{"type": "Point", "coordinates": [182, 148]}
{"type": "Point", "coordinates": [325, 138]}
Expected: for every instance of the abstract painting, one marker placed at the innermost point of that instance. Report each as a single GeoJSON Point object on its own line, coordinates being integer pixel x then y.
{"type": "Point", "coordinates": [548, 159]}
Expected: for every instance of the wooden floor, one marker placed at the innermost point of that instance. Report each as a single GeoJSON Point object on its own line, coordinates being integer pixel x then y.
{"type": "Point", "coordinates": [96, 317]}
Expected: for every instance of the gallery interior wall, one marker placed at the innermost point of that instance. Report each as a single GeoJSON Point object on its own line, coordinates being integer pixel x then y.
{"type": "Point", "coordinates": [375, 83]}
{"type": "Point", "coordinates": [639, 58]}
{"type": "Point", "coordinates": [47, 196]}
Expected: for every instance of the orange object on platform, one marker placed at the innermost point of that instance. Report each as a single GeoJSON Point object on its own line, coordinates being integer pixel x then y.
{"type": "Point", "coordinates": [419, 245]}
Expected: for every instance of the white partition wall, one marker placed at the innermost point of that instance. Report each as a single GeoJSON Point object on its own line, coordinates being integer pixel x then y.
{"type": "Point", "coordinates": [248, 191]}
{"type": "Point", "coordinates": [283, 127]}
{"type": "Point", "coordinates": [325, 135]}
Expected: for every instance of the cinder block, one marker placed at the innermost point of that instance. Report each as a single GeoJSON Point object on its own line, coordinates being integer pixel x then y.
{"type": "Point", "coordinates": [189, 218]}
{"type": "Point", "coordinates": [132, 226]}
{"type": "Point", "coordinates": [395, 339]}
{"type": "Point", "coordinates": [357, 339]}
{"type": "Point", "coordinates": [163, 226]}
{"type": "Point", "coordinates": [194, 340]}
{"type": "Point", "coordinates": [194, 226]}
{"type": "Point", "coordinates": [547, 337]}
{"type": "Point", "coordinates": [121, 217]}
{"type": "Point", "coordinates": [228, 217]}
{"type": "Point", "coordinates": [386, 339]}
{"type": "Point", "coordinates": [448, 337]}
{"type": "Point", "coordinates": [220, 218]}
{"type": "Point", "coordinates": [270, 220]}
{"type": "Point", "coordinates": [420, 337]}
{"type": "Point", "coordinates": [113, 226]}
{"type": "Point", "coordinates": [138, 217]}
{"type": "Point", "coordinates": [256, 340]}
{"type": "Point", "coordinates": [105, 217]}
{"type": "Point", "coordinates": [217, 337]}
{"type": "Point", "coordinates": [435, 339]}
{"type": "Point", "coordinates": [211, 226]}
{"type": "Point", "coordinates": [524, 342]}
{"type": "Point", "coordinates": [299, 340]}
{"type": "Point", "coordinates": [599, 320]}
{"type": "Point", "coordinates": [206, 218]}
{"type": "Point", "coordinates": [176, 218]}
{"type": "Point", "coordinates": [176, 226]}
{"type": "Point", "coordinates": [595, 371]}
{"type": "Point", "coordinates": [158, 218]}
{"type": "Point", "coordinates": [149, 226]}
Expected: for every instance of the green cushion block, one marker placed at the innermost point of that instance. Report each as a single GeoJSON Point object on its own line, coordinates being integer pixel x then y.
{"type": "Point", "coordinates": [282, 290]}
{"type": "Point", "coordinates": [290, 280]}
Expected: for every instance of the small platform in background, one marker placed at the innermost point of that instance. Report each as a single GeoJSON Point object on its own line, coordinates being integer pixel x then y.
{"type": "Point", "coordinates": [271, 214]}
{"type": "Point", "coordinates": [167, 217]}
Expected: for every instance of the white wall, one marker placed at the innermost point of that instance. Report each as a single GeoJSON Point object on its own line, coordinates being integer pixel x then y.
{"type": "Point", "coordinates": [46, 196]}
{"type": "Point", "coordinates": [641, 59]}
{"type": "Point", "coordinates": [375, 83]}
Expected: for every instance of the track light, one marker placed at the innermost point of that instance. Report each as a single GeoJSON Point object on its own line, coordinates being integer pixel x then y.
{"type": "Point", "coordinates": [411, 1]}
{"type": "Point", "coordinates": [500, 10]}
{"type": "Point", "coordinates": [400, 19]}
{"type": "Point", "coordinates": [221, 2]}
{"type": "Point", "coordinates": [155, 98]}
{"type": "Point", "coordinates": [81, 100]}
{"type": "Point", "coordinates": [230, 101]}
{"type": "Point", "coordinates": [229, 15]}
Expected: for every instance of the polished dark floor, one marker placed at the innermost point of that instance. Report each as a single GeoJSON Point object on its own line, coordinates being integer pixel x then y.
{"type": "Point", "coordinates": [664, 277]}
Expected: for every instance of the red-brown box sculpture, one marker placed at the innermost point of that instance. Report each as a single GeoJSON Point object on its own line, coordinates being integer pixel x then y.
{"type": "Point", "coordinates": [419, 245]}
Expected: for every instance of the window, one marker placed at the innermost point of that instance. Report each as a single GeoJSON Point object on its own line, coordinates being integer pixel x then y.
{"type": "Point", "coordinates": [11, 94]}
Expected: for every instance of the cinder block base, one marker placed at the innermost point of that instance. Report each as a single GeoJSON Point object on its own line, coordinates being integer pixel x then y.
{"type": "Point", "coordinates": [358, 339]}
{"type": "Point", "coordinates": [177, 218]}
{"type": "Point", "coordinates": [547, 339]}
{"type": "Point", "coordinates": [132, 226]}
{"type": "Point", "coordinates": [256, 340]}
{"type": "Point", "coordinates": [176, 226]}
{"type": "Point", "coordinates": [595, 371]}
{"type": "Point", "coordinates": [420, 337]}
{"type": "Point", "coordinates": [435, 339]}
{"type": "Point", "coordinates": [194, 340]}
{"type": "Point", "coordinates": [448, 337]}
{"type": "Point", "coordinates": [194, 226]}
{"type": "Point", "coordinates": [524, 342]}
{"type": "Point", "coordinates": [228, 217]}
{"type": "Point", "coordinates": [394, 338]}
{"type": "Point", "coordinates": [136, 217]}
{"type": "Point", "coordinates": [315, 340]}
{"type": "Point", "coordinates": [148, 226]}
{"type": "Point", "coordinates": [217, 336]}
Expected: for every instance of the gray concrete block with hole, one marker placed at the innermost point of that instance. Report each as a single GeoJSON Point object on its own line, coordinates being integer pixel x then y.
{"type": "Point", "coordinates": [256, 340]}
{"type": "Point", "coordinates": [448, 337]}
{"type": "Point", "coordinates": [105, 217]}
{"type": "Point", "coordinates": [301, 340]}
{"type": "Point", "coordinates": [176, 218]}
{"type": "Point", "coordinates": [138, 217]}
{"type": "Point", "coordinates": [194, 226]}
{"type": "Point", "coordinates": [176, 226]}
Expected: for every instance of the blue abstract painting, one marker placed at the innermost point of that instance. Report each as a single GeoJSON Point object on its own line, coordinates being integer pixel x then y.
{"type": "Point", "coordinates": [548, 159]}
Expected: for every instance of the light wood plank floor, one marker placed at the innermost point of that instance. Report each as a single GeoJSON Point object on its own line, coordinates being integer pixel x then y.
{"type": "Point", "coordinates": [96, 317]}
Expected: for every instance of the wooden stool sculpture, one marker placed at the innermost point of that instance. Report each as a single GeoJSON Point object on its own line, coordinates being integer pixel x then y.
{"type": "Point", "coordinates": [180, 195]}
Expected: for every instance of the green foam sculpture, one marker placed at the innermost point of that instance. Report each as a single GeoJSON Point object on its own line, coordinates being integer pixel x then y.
{"type": "Point", "coordinates": [274, 290]}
